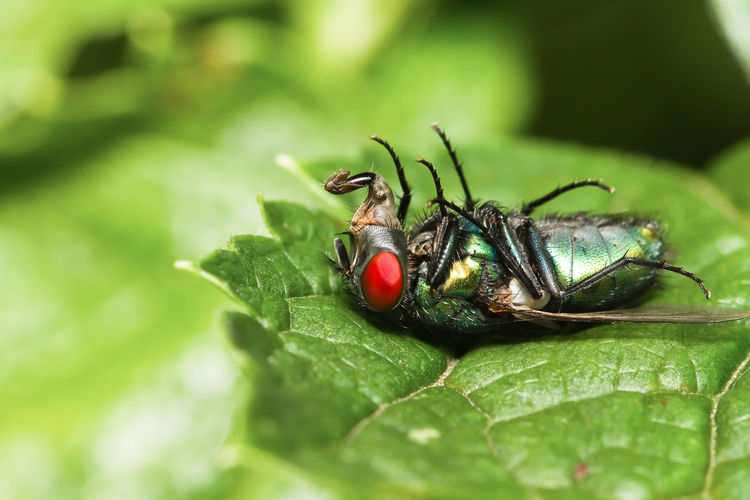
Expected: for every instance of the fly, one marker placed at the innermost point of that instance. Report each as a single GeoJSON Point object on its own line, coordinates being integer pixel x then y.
{"type": "Point", "coordinates": [475, 267]}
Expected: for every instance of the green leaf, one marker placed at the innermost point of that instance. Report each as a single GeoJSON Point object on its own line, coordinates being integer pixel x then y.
{"type": "Point", "coordinates": [732, 459]}
{"type": "Point", "coordinates": [348, 405]}
{"type": "Point", "coordinates": [729, 171]}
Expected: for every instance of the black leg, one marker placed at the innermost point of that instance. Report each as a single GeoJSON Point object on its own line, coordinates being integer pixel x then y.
{"type": "Point", "coordinates": [501, 238]}
{"type": "Point", "coordinates": [429, 224]}
{"type": "Point", "coordinates": [403, 205]}
{"type": "Point", "coordinates": [625, 261]}
{"type": "Point", "coordinates": [446, 239]}
{"type": "Point", "coordinates": [514, 252]}
{"type": "Point", "coordinates": [529, 207]}
{"type": "Point", "coordinates": [456, 165]}
{"type": "Point", "coordinates": [342, 257]}
{"type": "Point", "coordinates": [438, 186]}
{"type": "Point", "coordinates": [542, 259]}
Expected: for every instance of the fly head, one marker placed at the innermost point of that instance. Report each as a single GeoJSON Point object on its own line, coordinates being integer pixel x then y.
{"type": "Point", "coordinates": [376, 264]}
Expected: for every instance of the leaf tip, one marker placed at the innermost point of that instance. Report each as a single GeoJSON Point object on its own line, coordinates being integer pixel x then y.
{"type": "Point", "coordinates": [285, 161]}
{"type": "Point", "coordinates": [263, 212]}
{"type": "Point", "coordinates": [184, 265]}
{"type": "Point", "coordinates": [229, 456]}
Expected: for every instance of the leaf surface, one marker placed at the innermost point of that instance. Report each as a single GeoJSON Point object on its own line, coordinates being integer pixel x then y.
{"type": "Point", "coordinates": [613, 411]}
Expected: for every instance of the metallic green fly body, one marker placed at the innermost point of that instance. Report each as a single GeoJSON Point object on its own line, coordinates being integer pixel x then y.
{"type": "Point", "coordinates": [475, 268]}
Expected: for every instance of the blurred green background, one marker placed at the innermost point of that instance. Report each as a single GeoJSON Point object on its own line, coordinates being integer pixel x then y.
{"type": "Point", "coordinates": [136, 133]}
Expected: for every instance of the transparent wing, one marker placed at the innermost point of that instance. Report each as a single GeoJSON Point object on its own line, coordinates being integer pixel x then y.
{"type": "Point", "coordinates": [645, 314]}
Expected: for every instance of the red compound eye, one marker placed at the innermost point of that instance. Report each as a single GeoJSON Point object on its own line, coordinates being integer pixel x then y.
{"type": "Point", "coordinates": [382, 282]}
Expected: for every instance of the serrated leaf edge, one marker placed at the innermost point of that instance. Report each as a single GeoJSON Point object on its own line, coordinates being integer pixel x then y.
{"type": "Point", "coordinates": [193, 267]}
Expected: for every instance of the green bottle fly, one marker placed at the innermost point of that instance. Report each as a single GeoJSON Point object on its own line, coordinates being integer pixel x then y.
{"type": "Point", "coordinates": [477, 268]}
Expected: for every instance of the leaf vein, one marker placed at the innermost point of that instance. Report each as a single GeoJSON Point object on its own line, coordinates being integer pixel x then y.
{"type": "Point", "coordinates": [708, 481]}
{"type": "Point", "coordinates": [504, 374]}
{"type": "Point", "coordinates": [359, 426]}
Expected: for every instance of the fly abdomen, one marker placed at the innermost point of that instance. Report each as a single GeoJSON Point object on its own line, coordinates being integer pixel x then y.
{"type": "Point", "coordinates": [581, 246]}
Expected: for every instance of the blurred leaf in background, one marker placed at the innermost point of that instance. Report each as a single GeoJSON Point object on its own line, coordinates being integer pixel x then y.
{"type": "Point", "coordinates": [136, 133]}
{"type": "Point", "coordinates": [651, 77]}
{"type": "Point", "coordinates": [733, 20]}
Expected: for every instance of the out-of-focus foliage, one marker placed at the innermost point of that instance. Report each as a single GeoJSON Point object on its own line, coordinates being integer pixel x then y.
{"type": "Point", "coordinates": [652, 77]}
{"type": "Point", "coordinates": [733, 18]}
{"type": "Point", "coordinates": [306, 73]}
{"type": "Point", "coordinates": [730, 172]}
{"type": "Point", "coordinates": [134, 133]}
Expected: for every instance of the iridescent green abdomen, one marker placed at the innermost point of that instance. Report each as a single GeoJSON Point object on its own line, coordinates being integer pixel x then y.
{"type": "Point", "coordinates": [582, 245]}
{"type": "Point", "coordinates": [578, 246]}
